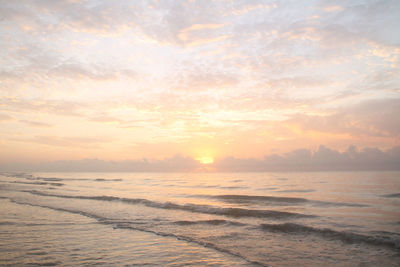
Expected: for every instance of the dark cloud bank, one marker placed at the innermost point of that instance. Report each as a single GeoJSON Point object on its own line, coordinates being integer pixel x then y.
{"type": "Point", "coordinates": [323, 159]}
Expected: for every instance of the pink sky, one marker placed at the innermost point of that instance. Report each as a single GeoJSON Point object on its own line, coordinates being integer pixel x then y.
{"type": "Point", "coordinates": [126, 80]}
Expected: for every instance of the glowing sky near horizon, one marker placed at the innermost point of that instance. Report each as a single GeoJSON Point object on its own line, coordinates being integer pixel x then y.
{"type": "Point", "coordinates": [125, 79]}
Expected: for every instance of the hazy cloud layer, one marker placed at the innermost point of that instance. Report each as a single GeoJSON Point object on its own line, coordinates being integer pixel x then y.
{"type": "Point", "coordinates": [323, 159]}
{"type": "Point", "coordinates": [370, 118]}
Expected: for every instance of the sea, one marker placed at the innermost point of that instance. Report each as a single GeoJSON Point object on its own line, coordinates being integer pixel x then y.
{"type": "Point", "coordinates": [200, 219]}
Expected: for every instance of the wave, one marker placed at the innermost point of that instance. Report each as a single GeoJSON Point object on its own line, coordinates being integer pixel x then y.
{"type": "Point", "coordinates": [346, 237]}
{"type": "Point", "coordinates": [8, 223]}
{"type": "Point", "coordinates": [39, 253]}
{"type": "Point", "coordinates": [231, 212]}
{"type": "Point", "coordinates": [45, 263]}
{"type": "Point", "coordinates": [232, 187]}
{"type": "Point", "coordinates": [99, 218]}
{"type": "Point", "coordinates": [38, 183]}
{"type": "Point", "coordinates": [395, 195]}
{"type": "Point", "coordinates": [56, 179]}
{"type": "Point", "coordinates": [190, 240]}
{"type": "Point", "coordinates": [51, 179]}
{"type": "Point", "coordinates": [34, 183]}
{"type": "Point", "coordinates": [209, 222]}
{"type": "Point", "coordinates": [133, 226]}
{"type": "Point", "coordinates": [34, 224]}
{"type": "Point", "coordinates": [240, 199]}
{"type": "Point", "coordinates": [250, 198]}
{"type": "Point", "coordinates": [107, 180]}
{"type": "Point", "coordinates": [18, 175]}
{"type": "Point", "coordinates": [297, 191]}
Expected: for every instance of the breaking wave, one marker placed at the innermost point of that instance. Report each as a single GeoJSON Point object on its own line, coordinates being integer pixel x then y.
{"type": "Point", "coordinates": [247, 198]}
{"type": "Point", "coordinates": [133, 226]}
{"type": "Point", "coordinates": [240, 199]}
{"type": "Point", "coordinates": [346, 237]}
{"type": "Point", "coordinates": [38, 183]}
{"type": "Point", "coordinates": [107, 180]}
{"type": "Point", "coordinates": [231, 212]}
{"type": "Point", "coordinates": [395, 195]}
{"type": "Point", "coordinates": [209, 222]}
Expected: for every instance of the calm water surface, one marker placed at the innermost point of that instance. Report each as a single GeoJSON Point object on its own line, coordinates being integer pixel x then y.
{"type": "Point", "coordinates": [200, 219]}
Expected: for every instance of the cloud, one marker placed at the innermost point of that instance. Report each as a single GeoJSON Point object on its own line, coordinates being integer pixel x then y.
{"type": "Point", "coordinates": [58, 107]}
{"type": "Point", "coordinates": [332, 8]}
{"type": "Point", "coordinates": [201, 34]}
{"type": "Point", "coordinates": [203, 79]}
{"type": "Point", "coordinates": [107, 119]}
{"type": "Point", "coordinates": [173, 164]}
{"type": "Point", "coordinates": [295, 82]}
{"type": "Point", "coordinates": [5, 117]}
{"type": "Point", "coordinates": [369, 118]}
{"type": "Point", "coordinates": [76, 71]}
{"type": "Point", "coordinates": [205, 41]}
{"type": "Point", "coordinates": [80, 71]}
{"type": "Point", "coordinates": [239, 8]}
{"type": "Point", "coordinates": [163, 21]}
{"type": "Point", "coordinates": [197, 27]}
{"type": "Point", "coordinates": [323, 159]}
{"type": "Point", "coordinates": [36, 123]}
{"type": "Point", "coordinates": [50, 16]}
{"type": "Point", "coordinates": [67, 142]}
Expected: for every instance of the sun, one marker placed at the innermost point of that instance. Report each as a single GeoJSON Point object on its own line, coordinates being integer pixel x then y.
{"type": "Point", "coordinates": [206, 160]}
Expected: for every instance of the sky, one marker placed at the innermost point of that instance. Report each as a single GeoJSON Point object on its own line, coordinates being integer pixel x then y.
{"type": "Point", "coordinates": [221, 82]}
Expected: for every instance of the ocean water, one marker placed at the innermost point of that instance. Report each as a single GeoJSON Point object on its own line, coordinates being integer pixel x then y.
{"type": "Point", "coordinates": [200, 219]}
